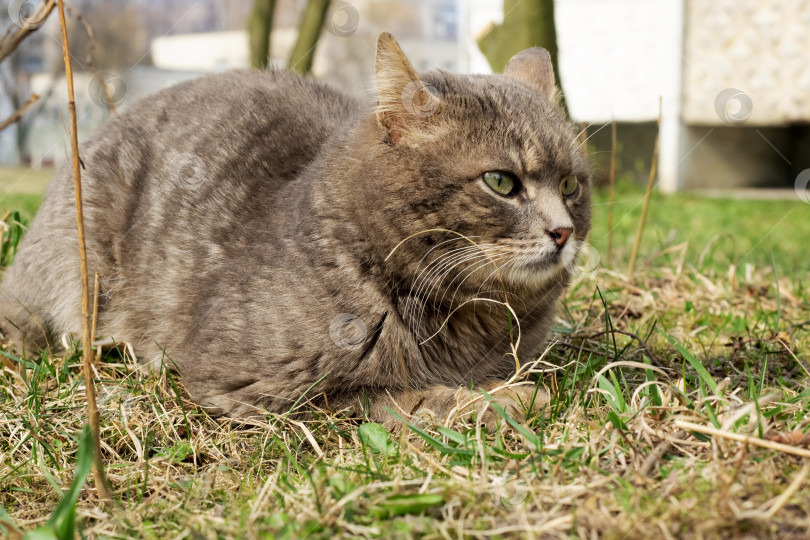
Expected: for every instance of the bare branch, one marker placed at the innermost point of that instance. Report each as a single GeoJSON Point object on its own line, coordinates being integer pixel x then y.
{"type": "Point", "coordinates": [16, 115]}
{"type": "Point", "coordinates": [9, 43]}
{"type": "Point", "coordinates": [89, 58]}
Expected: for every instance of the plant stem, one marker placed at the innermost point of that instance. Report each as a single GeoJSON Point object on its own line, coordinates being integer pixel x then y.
{"type": "Point", "coordinates": [612, 196]}
{"type": "Point", "coordinates": [87, 345]}
{"type": "Point", "coordinates": [647, 194]}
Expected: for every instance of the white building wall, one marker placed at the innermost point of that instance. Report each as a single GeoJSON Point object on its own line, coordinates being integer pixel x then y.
{"type": "Point", "coordinates": [475, 17]}
{"type": "Point", "coordinates": [616, 58]}
{"type": "Point", "coordinates": [747, 62]}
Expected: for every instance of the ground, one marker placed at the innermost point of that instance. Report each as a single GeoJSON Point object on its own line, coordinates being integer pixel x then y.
{"type": "Point", "coordinates": [711, 332]}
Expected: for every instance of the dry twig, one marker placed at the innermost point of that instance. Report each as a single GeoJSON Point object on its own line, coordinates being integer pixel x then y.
{"type": "Point", "coordinates": [16, 115]}
{"type": "Point", "coordinates": [612, 196]}
{"type": "Point", "coordinates": [708, 430]}
{"type": "Point", "coordinates": [10, 43]}
{"type": "Point", "coordinates": [583, 135]}
{"type": "Point", "coordinates": [87, 346]}
{"type": "Point", "coordinates": [88, 60]}
{"type": "Point", "coordinates": [647, 194]}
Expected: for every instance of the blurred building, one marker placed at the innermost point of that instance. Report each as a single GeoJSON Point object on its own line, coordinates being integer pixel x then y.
{"type": "Point", "coordinates": [733, 76]}
{"type": "Point", "coordinates": [166, 41]}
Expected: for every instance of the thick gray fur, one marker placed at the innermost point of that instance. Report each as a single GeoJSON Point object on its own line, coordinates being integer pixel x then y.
{"type": "Point", "coordinates": [242, 225]}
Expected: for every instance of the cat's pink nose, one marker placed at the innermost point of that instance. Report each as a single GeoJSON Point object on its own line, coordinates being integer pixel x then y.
{"type": "Point", "coordinates": [560, 236]}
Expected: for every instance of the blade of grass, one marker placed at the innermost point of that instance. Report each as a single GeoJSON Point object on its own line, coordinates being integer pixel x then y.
{"type": "Point", "coordinates": [529, 435]}
{"type": "Point", "coordinates": [430, 439]}
{"type": "Point", "coordinates": [693, 361]}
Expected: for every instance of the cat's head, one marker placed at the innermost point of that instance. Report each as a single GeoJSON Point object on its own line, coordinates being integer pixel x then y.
{"type": "Point", "coordinates": [489, 157]}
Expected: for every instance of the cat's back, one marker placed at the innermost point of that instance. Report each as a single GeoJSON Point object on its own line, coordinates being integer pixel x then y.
{"type": "Point", "coordinates": [204, 146]}
{"type": "Point", "coordinates": [276, 120]}
{"type": "Point", "coordinates": [232, 137]}
{"type": "Point", "coordinates": [171, 172]}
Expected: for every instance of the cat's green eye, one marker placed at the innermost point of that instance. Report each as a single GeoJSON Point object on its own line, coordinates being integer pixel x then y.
{"type": "Point", "coordinates": [502, 183]}
{"type": "Point", "coordinates": [569, 186]}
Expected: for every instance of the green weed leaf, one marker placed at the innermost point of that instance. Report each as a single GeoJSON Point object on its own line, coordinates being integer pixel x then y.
{"type": "Point", "coordinates": [399, 505]}
{"type": "Point", "coordinates": [693, 361]}
{"type": "Point", "coordinates": [62, 523]}
{"type": "Point", "coordinates": [376, 438]}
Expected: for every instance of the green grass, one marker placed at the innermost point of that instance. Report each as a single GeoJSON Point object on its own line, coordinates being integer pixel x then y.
{"type": "Point", "coordinates": [21, 189]}
{"type": "Point", "coordinates": [679, 341]}
{"type": "Point", "coordinates": [733, 232]}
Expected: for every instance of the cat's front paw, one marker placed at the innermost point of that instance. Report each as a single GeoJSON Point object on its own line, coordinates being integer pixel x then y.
{"type": "Point", "coordinates": [440, 405]}
{"type": "Point", "coordinates": [517, 401]}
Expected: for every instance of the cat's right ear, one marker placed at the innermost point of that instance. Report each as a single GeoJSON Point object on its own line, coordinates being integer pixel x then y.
{"type": "Point", "coordinates": [404, 102]}
{"type": "Point", "coordinates": [533, 67]}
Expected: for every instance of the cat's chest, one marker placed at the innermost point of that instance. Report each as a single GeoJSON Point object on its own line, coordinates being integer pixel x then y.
{"type": "Point", "coordinates": [477, 340]}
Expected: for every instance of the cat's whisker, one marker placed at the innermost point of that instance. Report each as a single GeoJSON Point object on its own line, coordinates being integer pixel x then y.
{"type": "Point", "coordinates": [583, 130]}
{"type": "Point", "coordinates": [520, 263]}
{"type": "Point", "coordinates": [498, 271]}
{"type": "Point", "coordinates": [498, 253]}
{"type": "Point", "coordinates": [436, 261]}
{"type": "Point", "coordinates": [591, 135]}
{"type": "Point", "coordinates": [471, 273]}
{"type": "Point", "coordinates": [471, 262]}
{"type": "Point", "coordinates": [512, 263]}
{"type": "Point", "coordinates": [443, 255]}
{"type": "Point", "coordinates": [484, 253]}
{"type": "Point", "coordinates": [468, 258]}
{"type": "Point", "coordinates": [435, 266]}
{"type": "Point", "coordinates": [453, 299]}
{"type": "Point", "coordinates": [510, 295]}
{"type": "Point", "coordinates": [439, 279]}
{"type": "Point", "coordinates": [515, 345]}
{"type": "Point", "coordinates": [434, 283]}
{"type": "Point", "coordinates": [432, 266]}
{"type": "Point", "coordinates": [425, 231]}
{"type": "Point", "coordinates": [428, 252]}
{"type": "Point", "coordinates": [445, 260]}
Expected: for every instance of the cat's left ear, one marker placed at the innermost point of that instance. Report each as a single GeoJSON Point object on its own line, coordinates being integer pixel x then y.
{"type": "Point", "coordinates": [404, 102]}
{"type": "Point", "coordinates": [533, 67]}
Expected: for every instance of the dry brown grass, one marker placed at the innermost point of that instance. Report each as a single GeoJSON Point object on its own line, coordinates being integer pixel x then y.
{"type": "Point", "coordinates": [594, 466]}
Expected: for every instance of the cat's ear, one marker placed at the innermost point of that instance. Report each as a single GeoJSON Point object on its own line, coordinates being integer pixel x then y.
{"type": "Point", "coordinates": [533, 67]}
{"type": "Point", "coordinates": [404, 102]}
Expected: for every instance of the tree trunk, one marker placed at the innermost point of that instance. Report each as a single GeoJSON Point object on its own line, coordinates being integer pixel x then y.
{"type": "Point", "coordinates": [526, 23]}
{"type": "Point", "coordinates": [303, 52]}
{"type": "Point", "coordinates": [260, 25]}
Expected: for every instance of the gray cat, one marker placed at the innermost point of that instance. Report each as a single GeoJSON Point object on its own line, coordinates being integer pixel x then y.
{"type": "Point", "coordinates": [274, 238]}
